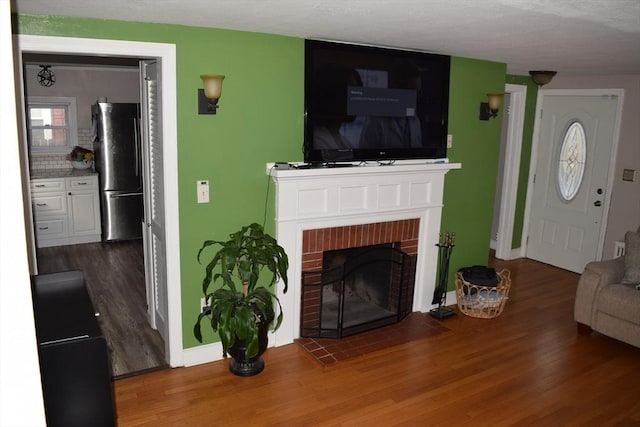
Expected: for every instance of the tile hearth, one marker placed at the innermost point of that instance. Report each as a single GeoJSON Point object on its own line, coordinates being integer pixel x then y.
{"type": "Point", "coordinates": [413, 327]}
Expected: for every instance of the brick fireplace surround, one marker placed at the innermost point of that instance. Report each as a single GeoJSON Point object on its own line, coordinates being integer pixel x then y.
{"type": "Point", "coordinates": [337, 208]}
{"type": "Point", "coordinates": [315, 242]}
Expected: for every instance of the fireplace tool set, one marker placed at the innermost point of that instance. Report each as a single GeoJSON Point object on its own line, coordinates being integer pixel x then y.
{"type": "Point", "coordinates": [445, 247]}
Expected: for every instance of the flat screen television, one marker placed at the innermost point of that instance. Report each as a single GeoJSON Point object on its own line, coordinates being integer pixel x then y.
{"type": "Point", "coordinates": [365, 103]}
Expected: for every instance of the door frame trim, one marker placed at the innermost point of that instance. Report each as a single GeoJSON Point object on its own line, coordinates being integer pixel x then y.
{"type": "Point", "coordinates": [513, 152]}
{"type": "Point", "coordinates": [612, 159]}
{"type": "Point", "coordinates": [167, 54]}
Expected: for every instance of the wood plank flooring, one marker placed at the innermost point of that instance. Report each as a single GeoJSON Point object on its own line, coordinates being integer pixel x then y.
{"type": "Point", "coordinates": [527, 368]}
{"type": "Point", "coordinates": [114, 273]}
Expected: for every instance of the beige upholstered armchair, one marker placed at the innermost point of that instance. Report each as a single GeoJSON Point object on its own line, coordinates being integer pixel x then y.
{"type": "Point", "coordinates": [608, 298]}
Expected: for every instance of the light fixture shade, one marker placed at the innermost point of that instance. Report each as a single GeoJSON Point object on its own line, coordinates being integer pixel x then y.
{"type": "Point", "coordinates": [541, 77]}
{"type": "Point", "coordinates": [495, 100]}
{"type": "Point", "coordinates": [212, 85]}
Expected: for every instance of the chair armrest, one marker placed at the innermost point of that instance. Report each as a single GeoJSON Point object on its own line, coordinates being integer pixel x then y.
{"type": "Point", "coordinates": [596, 275]}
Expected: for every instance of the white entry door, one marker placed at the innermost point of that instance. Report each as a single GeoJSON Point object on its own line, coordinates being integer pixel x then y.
{"type": "Point", "coordinates": [153, 227]}
{"type": "Point", "coordinates": [576, 141]}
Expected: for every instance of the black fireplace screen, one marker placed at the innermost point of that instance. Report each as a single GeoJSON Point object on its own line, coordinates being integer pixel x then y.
{"type": "Point", "coordinates": [358, 289]}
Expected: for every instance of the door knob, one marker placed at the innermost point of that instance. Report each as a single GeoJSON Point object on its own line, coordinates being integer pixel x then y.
{"type": "Point", "coordinates": [597, 203]}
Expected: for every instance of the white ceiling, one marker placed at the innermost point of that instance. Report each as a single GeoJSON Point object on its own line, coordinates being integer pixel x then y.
{"type": "Point", "coordinates": [570, 36]}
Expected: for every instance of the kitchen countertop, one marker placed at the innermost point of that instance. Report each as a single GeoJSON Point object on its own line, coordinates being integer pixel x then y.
{"type": "Point", "coordinates": [61, 173]}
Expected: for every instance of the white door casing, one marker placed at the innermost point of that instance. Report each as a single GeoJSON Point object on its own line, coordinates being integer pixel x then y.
{"type": "Point", "coordinates": [570, 233]}
{"type": "Point", "coordinates": [509, 191]}
{"type": "Point", "coordinates": [21, 400]}
{"type": "Point", "coordinates": [166, 54]}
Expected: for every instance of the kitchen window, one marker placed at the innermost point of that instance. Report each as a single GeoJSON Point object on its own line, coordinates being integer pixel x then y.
{"type": "Point", "coordinates": [51, 123]}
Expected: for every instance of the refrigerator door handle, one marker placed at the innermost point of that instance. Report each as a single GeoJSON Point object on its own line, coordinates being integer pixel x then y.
{"type": "Point", "coordinates": [136, 134]}
{"type": "Point", "coordinates": [116, 196]}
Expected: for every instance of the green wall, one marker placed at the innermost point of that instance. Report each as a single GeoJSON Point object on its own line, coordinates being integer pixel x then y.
{"type": "Point", "coordinates": [261, 120]}
{"type": "Point", "coordinates": [470, 191]}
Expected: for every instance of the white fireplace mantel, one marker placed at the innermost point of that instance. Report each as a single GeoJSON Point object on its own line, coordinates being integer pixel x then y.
{"type": "Point", "coordinates": [308, 199]}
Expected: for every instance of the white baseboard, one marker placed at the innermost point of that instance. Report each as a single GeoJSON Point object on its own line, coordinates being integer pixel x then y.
{"type": "Point", "coordinates": [451, 298]}
{"type": "Point", "coordinates": [208, 353]}
{"type": "Point", "coordinates": [515, 254]}
{"type": "Point", "coordinates": [202, 354]}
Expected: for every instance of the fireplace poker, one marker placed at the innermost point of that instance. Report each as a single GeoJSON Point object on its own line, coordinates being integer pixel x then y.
{"type": "Point", "coordinates": [445, 247]}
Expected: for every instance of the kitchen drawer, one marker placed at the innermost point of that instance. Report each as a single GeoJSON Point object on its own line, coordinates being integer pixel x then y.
{"type": "Point", "coordinates": [50, 228]}
{"type": "Point", "coordinates": [49, 204]}
{"type": "Point", "coordinates": [46, 185]}
{"type": "Point", "coordinates": [82, 183]}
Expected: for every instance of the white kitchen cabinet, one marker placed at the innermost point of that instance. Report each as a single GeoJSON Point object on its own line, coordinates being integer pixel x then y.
{"type": "Point", "coordinates": [49, 201]}
{"type": "Point", "coordinates": [66, 210]}
{"type": "Point", "coordinates": [84, 207]}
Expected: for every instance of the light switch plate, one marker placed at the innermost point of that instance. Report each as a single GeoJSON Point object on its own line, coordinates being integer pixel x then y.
{"type": "Point", "coordinates": [449, 141]}
{"type": "Point", "coordinates": [203, 191]}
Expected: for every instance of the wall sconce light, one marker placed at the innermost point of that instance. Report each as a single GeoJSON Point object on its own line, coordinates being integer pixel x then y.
{"type": "Point", "coordinates": [491, 108]}
{"type": "Point", "coordinates": [209, 96]}
{"type": "Point", "coordinates": [541, 78]}
{"type": "Point", "coordinates": [46, 77]}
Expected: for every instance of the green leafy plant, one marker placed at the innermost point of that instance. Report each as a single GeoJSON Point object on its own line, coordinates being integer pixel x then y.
{"type": "Point", "coordinates": [240, 304]}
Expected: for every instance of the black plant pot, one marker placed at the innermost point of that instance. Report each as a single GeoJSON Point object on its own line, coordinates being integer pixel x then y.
{"type": "Point", "coordinates": [253, 366]}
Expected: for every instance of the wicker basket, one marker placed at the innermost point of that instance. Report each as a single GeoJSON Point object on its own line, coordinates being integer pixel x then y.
{"type": "Point", "coordinates": [484, 302]}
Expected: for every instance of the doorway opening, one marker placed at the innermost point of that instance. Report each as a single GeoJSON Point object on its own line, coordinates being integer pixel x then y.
{"type": "Point", "coordinates": [114, 269]}
{"type": "Point", "coordinates": [165, 271]}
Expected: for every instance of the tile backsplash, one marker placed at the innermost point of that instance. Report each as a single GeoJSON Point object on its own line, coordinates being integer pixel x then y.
{"type": "Point", "coordinates": [58, 161]}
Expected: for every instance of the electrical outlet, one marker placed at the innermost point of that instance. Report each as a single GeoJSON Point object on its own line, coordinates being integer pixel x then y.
{"type": "Point", "coordinates": [203, 304]}
{"type": "Point", "coordinates": [449, 141]}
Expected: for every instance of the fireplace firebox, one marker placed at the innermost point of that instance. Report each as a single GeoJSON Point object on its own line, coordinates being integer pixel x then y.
{"type": "Point", "coordinates": [356, 290]}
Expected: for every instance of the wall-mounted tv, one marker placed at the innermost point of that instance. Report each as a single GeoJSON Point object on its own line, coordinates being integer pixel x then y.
{"type": "Point", "coordinates": [368, 103]}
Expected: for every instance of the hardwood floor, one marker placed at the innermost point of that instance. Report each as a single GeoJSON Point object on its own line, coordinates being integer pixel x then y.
{"type": "Point", "coordinates": [528, 367]}
{"type": "Point", "coordinates": [114, 273]}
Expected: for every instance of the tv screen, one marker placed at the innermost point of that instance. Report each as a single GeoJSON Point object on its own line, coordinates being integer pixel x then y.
{"type": "Point", "coordinates": [367, 103]}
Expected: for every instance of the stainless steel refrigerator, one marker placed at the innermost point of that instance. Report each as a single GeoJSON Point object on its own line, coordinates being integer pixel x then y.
{"type": "Point", "coordinates": [118, 161]}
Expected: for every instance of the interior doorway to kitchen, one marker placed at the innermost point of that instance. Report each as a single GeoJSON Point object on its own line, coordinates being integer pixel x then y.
{"type": "Point", "coordinates": [168, 265]}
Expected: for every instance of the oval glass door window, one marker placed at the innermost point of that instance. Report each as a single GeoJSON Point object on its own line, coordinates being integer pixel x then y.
{"type": "Point", "coordinates": [571, 164]}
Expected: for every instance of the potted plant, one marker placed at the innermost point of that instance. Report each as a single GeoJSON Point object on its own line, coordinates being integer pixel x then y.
{"type": "Point", "coordinates": [241, 309]}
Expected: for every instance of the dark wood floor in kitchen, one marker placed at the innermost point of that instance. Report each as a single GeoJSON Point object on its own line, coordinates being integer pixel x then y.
{"type": "Point", "coordinates": [115, 278]}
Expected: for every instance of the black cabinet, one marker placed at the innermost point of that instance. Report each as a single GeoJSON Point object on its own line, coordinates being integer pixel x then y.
{"type": "Point", "coordinates": [74, 359]}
